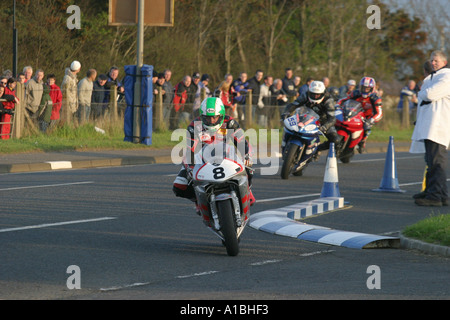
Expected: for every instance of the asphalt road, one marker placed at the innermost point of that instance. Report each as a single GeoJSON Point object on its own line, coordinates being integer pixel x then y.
{"type": "Point", "coordinates": [130, 238]}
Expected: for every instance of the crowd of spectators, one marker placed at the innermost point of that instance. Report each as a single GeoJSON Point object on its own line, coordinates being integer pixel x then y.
{"type": "Point", "coordinates": [44, 100]}
{"type": "Point", "coordinates": [87, 99]}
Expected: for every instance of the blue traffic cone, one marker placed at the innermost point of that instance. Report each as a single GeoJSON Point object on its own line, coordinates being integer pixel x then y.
{"type": "Point", "coordinates": [389, 182]}
{"type": "Point", "coordinates": [330, 182]}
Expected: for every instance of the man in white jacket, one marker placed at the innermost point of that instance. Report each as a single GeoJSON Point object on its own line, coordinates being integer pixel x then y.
{"type": "Point", "coordinates": [432, 132]}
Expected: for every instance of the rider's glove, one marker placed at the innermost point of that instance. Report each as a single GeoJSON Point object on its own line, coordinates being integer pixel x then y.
{"type": "Point", "coordinates": [323, 129]}
{"type": "Point", "coordinates": [284, 116]}
{"type": "Point", "coordinates": [368, 124]}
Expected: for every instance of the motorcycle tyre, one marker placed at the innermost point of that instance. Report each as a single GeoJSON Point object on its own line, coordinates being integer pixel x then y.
{"type": "Point", "coordinates": [228, 227]}
{"type": "Point", "coordinates": [289, 160]}
{"type": "Point", "coordinates": [344, 153]}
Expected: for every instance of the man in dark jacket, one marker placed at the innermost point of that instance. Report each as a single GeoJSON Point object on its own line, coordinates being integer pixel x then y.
{"type": "Point", "coordinates": [98, 97]}
{"type": "Point", "coordinates": [254, 84]}
{"type": "Point", "coordinates": [289, 84]}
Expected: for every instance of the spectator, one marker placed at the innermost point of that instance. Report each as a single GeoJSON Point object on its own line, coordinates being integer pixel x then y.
{"type": "Point", "coordinates": [154, 77]}
{"type": "Point", "coordinates": [21, 78]}
{"type": "Point", "coordinates": [45, 109]}
{"type": "Point", "coordinates": [7, 74]}
{"type": "Point", "coordinates": [168, 97]}
{"type": "Point", "coordinates": [158, 87]}
{"type": "Point", "coordinates": [3, 81]}
{"type": "Point", "coordinates": [254, 84]}
{"type": "Point", "coordinates": [334, 92]}
{"type": "Point", "coordinates": [193, 88]}
{"type": "Point", "coordinates": [113, 79]}
{"type": "Point", "coordinates": [225, 92]}
{"type": "Point", "coordinates": [326, 82]}
{"type": "Point", "coordinates": [168, 87]}
{"type": "Point", "coordinates": [431, 132]}
{"type": "Point", "coordinates": [279, 98]}
{"type": "Point", "coordinates": [410, 94]}
{"type": "Point", "coordinates": [200, 95]}
{"type": "Point", "coordinates": [304, 88]}
{"type": "Point", "coordinates": [264, 101]}
{"type": "Point", "coordinates": [179, 101]}
{"type": "Point", "coordinates": [28, 72]}
{"type": "Point", "coordinates": [289, 84]}
{"type": "Point", "coordinates": [56, 96]}
{"type": "Point", "coordinates": [69, 90]}
{"type": "Point", "coordinates": [98, 97]}
{"type": "Point", "coordinates": [7, 108]}
{"type": "Point", "coordinates": [85, 87]}
{"type": "Point", "coordinates": [240, 86]}
{"type": "Point", "coordinates": [297, 81]}
{"type": "Point", "coordinates": [194, 84]}
{"type": "Point", "coordinates": [34, 90]}
{"type": "Point", "coordinates": [345, 90]}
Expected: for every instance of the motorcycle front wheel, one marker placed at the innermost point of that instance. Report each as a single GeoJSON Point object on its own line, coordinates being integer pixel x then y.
{"type": "Point", "coordinates": [289, 160]}
{"type": "Point", "coordinates": [228, 227]}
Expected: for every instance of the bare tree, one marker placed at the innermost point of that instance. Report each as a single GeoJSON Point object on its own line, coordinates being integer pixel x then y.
{"type": "Point", "coordinates": [277, 16]}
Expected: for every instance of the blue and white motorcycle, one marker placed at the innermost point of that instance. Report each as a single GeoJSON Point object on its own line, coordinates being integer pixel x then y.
{"type": "Point", "coordinates": [301, 138]}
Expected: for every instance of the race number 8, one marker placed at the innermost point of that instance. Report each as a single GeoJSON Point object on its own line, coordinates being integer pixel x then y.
{"type": "Point", "coordinates": [219, 173]}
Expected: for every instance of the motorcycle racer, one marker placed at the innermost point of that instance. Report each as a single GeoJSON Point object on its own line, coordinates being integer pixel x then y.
{"type": "Point", "coordinates": [319, 100]}
{"type": "Point", "coordinates": [205, 129]}
{"type": "Point", "coordinates": [372, 104]}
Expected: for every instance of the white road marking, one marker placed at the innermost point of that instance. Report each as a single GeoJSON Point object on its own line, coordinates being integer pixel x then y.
{"type": "Point", "coordinates": [197, 274]}
{"type": "Point", "coordinates": [48, 185]}
{"type": "Point", "coordinates": [206, 273]}
{"type": "Point", "coordinates": [287, 198]}
{"type": "Point", "coordinates": [46, 225]}
{"type": "Point", "coordinates": [137, 284]}
{"type": "Point", "coordinates": [384, 159]}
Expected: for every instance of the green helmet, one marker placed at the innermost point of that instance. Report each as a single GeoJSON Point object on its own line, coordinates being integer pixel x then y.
{"type": "Point", "coordinates": [212, 114]}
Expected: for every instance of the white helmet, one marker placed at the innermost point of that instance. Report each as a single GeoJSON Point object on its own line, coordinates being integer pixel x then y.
{"type": "Point", "coordinates": [316, 92]}
{"type": "Point", "coordinates": [74, 66]}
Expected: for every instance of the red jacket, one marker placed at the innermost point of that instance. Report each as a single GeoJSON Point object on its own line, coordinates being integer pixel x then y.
{"type": "Point", "coordinates": [9, 104]}
{"type": "Point", "coordinates": [180, 96]}
{"type": "Point", "coordinates": [56, 95]}
{"type": "Point", "coordinates": [373, 106]}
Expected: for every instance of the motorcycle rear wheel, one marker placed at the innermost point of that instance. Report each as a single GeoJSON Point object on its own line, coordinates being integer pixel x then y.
{"type": "Point", "coordinates": [228, 227]}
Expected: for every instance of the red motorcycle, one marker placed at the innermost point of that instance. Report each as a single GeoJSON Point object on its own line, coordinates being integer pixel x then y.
{"type": "Point", "coordinates": [350, 126]}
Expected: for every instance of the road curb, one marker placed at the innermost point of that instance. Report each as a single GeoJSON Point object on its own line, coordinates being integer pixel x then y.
{"type": "Point", "coordinates": [82, 164]}
{"type": "Point", "coordinates": [413, 244]}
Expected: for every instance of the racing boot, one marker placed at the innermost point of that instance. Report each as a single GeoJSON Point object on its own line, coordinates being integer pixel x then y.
{"type": "Point", "coordinates": [362, 146]}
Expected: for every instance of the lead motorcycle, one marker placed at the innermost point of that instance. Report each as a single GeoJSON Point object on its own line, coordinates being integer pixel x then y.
{"type": "Point", "coordinates": [349, 125]}
{"type": "Point", "coordinates": [221, 188]}
{"type": "Point", "coordinates": [301, 137]}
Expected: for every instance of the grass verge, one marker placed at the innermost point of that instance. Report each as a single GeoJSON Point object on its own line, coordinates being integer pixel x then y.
{"type": "Point", "coordinates": [435, 229]}
{"type": "Point", "coordinates": [69, 138]}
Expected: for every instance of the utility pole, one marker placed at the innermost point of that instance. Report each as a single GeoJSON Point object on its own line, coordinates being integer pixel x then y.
{"type": "Point", "coordinates": [14, 41]}
{"type": "Point", "coordinates": [137, 85]}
